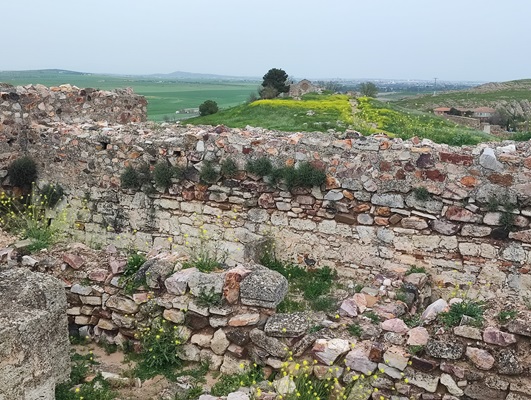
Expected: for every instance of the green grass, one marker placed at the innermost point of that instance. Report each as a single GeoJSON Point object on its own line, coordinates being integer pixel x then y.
{"type": "Point", "coordinates": [164, 96]}
{"type": "Point", "coordinates": [467, 307]}
{"type": "Point", "coordinates": [307, 288]}
{"type": "Point", "coordinates": [312, 113]}
{"type": "Point", "coordinates": [374, 116]}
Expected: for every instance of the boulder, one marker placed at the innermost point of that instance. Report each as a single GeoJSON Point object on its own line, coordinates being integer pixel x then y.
{"type": "Point", "coordinates": [263, 288]}
{"type": "Point", "coordinates": [286, 325]}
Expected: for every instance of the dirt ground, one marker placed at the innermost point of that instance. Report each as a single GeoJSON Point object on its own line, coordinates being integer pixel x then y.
{"type": "Point", "coordinates": [115, 363]}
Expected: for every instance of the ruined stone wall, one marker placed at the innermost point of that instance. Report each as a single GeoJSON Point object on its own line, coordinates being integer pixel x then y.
{"type": "Point", "coordinates": [34, 347]}
{"type": "Point", "coordinates": [365, 219]}
{"type": "Point", "coordinates": [466, 121]}
{"type": "Point", "coordinates": [22, 105]}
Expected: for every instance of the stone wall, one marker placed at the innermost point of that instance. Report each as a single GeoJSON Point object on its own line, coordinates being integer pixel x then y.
{"type": "Point", "coordinates": [34, 350]}
{"type": "Point", "coordinates": [466, 121]}
{"type": "Point", "coordinates": [367, 218]}
{"type": "Point", "coordinates": [22, 105]}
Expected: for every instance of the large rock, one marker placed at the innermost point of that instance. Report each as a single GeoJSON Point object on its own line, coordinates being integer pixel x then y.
{"type": "Point", "coordinates": [508, 363]}
{"type": "Point", "coordinates": [263, 288]}
{"type": "Point", "coordinates": [200, 282]}
{"type": "Point", "coordinates": [272, 345]}
{"type": "Point", "coordinates": [122, 304]}
{"type": "Point", "coordinates": [495, 336]}
{"type": "Point", "coordinates": [286, 325]}
{"type": "Point", "coordinates": [155, 271]}
{"type": "Point", "coordinates": [358, 360]}
{"type": "Point", "coordinates": [327, 351]}
{"type": "Point", "coordinates": [388, 200]}
{"type": "Point", "coordinates": [178, 282]}
{"type": "Point", "coordinates": [482, 359]}
{"type": "Point", "coordinates": [34, 347]}
{"type": "Point", "coordinates": [450, 350]}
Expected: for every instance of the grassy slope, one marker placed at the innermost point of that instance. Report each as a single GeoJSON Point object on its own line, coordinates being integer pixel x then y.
{"type": "Point", "coordinates": [485, 95]}
{"type": "Point", "coordinates": [312, 113]}
{"type": "Point", "coordinates": [405, 123]}
{"type": "Point", "coordinates": [164, 96]}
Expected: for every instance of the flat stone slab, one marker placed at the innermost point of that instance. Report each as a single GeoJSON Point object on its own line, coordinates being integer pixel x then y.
{"type": "Point", "coordinates": [286, 325]}
{"type": "Point", "coordinates": [263, 288]}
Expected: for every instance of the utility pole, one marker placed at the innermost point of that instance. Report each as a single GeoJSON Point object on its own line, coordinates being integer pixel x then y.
{"type": "Point", "coordinates": [435, 86]}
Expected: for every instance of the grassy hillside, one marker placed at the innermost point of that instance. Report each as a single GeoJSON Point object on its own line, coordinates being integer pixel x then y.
{"type": "Point", "coordinates": [322, 112]}
{"type": "Point", "coordinates": [373, 116]}
{"type": "Point", "coordinates": [490, 94]}
{"type": "Point", "coordinates": [312, 113]}
{"type": "Point", "coordinates": [164, 96]}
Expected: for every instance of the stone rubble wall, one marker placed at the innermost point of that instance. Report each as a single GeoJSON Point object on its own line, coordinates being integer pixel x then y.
{"type": "Point", "coordinates": [21, 106]}
{"type": "Point", "coordinates": [387, 358]}
{"type": "Point", "coordinates": [365, 219]}
{"type": "Point", "coordinates": [34, 347]}
{"type": "Point", "coordinates": [474, 123]}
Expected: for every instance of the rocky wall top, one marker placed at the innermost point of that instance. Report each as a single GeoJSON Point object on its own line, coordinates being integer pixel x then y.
{"type": "Point", "coordinates": [22, 105]}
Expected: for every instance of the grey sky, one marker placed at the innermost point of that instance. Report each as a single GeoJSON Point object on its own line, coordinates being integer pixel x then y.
{"type": "Point", "coordinates": [480, 40]}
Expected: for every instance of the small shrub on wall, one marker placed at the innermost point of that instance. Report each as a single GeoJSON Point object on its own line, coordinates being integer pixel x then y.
{"type": "Point", "coordinates": [129, 178]}
{"type": "Point", "coordinates": [163, 174]}
{"type": "Point", "coordinates": [304, 176]}
{"type": "Point", "coordinates": [22, 172]}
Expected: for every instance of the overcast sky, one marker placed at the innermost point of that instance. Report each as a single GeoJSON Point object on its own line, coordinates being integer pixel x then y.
{"type": "Point", "coordinates": [479, 40]}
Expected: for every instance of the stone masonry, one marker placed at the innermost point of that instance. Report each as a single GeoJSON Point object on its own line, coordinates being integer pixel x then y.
{"type": "Point", "coordinates": [34, 351]}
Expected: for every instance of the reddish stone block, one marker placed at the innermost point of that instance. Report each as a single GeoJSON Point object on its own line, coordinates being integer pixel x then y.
{"type": "Point", "coordinates": [456, 158]}
{"type": "Point", "coordinates": [435, 175]}
{"type": "Point", "coordinates": [501, 179]}
{"type": "Point", "coordinates": [469, 181]}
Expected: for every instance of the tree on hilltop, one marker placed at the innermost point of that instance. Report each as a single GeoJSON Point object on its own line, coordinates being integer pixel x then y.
{"type": "Point", "coordinates": [274, 83]}
{"type": "Point", "coordinates": [368, 89]}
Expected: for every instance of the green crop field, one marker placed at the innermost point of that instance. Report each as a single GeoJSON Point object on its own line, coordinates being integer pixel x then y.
{"type": "Point", "coordinates": [164, 96]}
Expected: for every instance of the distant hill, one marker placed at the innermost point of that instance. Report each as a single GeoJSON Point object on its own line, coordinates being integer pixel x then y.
{"type": "Point", "coordinates": [197, 76]}
{"type": "Point", "coordinates": [513, 96]}
{"type": "Point", "coordinates": [177, 75]}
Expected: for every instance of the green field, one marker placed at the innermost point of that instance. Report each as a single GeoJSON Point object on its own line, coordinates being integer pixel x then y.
{"type": "Point", "coordinates": [164, 96]}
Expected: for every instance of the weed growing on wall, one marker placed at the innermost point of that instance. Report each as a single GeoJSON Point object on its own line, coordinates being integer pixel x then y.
{"type": "Point", "coordinates": [205, 248]}
{"type": "Point", "coordinates": [313, 286]}
{"type": "Point", "coordinates": [129, 279]}
{"type": "Point", "coordinates": [27, 217]}
{"type": "Point", "coordinates": [261, 166]}
{"type": "Point", "coordinates": [129, 178]}
{"type": "Point", "coordinates": [457, 311]}
{"type": "Point", "coordinates": [163, 174]}
{"type": "Point", "coordinates": [304, 175]}
{"type": "Point", "coordinates": [231, 383]}
{"type": "Point", "coordinates": [229, 169]}
{"type": "Point", "coordinates": [208, 173]}
{"type": "Point", "coordinates": [51, 194]}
